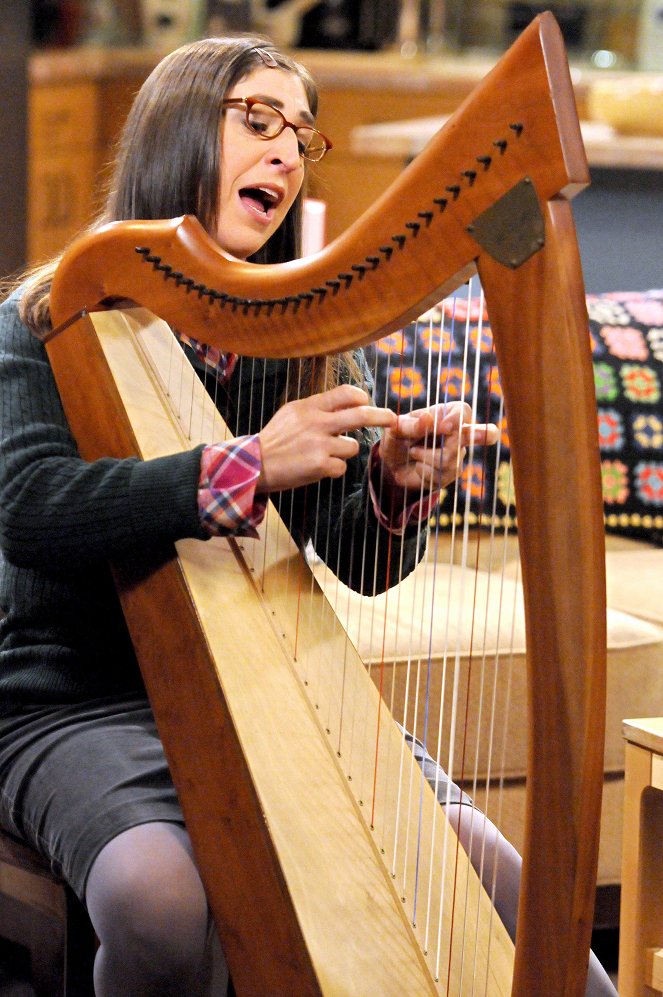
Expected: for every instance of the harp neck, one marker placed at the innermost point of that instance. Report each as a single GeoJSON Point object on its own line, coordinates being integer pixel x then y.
{"type": "Point", "coordinates": [463, 194]}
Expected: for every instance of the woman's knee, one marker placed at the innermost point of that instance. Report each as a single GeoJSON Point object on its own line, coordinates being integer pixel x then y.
{"type": "Point", "coordinates": [145, 896]}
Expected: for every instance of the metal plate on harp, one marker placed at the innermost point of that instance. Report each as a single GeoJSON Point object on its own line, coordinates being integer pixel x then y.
{"type": "Point", "coordinates": [513, 228]}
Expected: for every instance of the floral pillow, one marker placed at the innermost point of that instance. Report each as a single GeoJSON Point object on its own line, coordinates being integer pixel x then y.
{"type": "Point", "coordinates": [627, 348]}
{"type": "Point", "coordinates": [438, 359]}
{"type": "Point", "coordinates": [445, 348]}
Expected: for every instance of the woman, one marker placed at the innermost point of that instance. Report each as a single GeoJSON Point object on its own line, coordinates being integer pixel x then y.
{"type": "Point", "coordinates": [82, 772]}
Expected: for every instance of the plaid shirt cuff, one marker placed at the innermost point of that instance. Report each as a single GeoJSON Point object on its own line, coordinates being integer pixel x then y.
{"type": "Point", "coordinates": [390, 505]}
{"type": "Point", "coordinates": [227, 502]}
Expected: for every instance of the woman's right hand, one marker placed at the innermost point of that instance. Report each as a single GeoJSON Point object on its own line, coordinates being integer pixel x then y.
{"type": "Point", "coordinates": [305, 440]}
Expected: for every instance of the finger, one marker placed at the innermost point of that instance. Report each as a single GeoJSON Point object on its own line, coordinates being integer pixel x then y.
{"type": "Point", "coordinates": [336, 467]}
{"type": "Point", "coordinates": [426, 455]}
{"type": "Point", "coordinates": [481, 434]}
{"type": "Point", "coordinates": [437, 460]}
{"type": "Point", "coordinates": [344, 447]}
{"type": "Point", "coordinates": [343, 396]}
{"type": "Point", "coordinates": [438, 420]}
{"type": "Point", "coordinates": [440, 473]}
{"type": "Point", "coordinates": [452, 418]}
{"type": "Point", "coordinates": [345, 420]}
{"type": "Point", "coordinates": [413, 425]}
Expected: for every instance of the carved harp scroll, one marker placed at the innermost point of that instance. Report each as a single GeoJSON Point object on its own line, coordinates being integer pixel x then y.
{"type": "Point", "coordinates": [489, 193]}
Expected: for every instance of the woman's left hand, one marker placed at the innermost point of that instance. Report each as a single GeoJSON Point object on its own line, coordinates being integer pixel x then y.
{"type": "Point", "coordinates": [426, 448]}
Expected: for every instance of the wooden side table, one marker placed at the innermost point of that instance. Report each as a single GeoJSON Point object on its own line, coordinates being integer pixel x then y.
{"type": "Point", "coordinates": [641, 915]}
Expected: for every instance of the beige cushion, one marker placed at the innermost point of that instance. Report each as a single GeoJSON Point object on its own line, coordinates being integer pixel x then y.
{"type": "Point", "coordinates": [634, 674]}
{"type": "Point", "coordinates": [479, 619]}
{"type": "Point", "coordinates": [635, 582]}
{"type": "Point", "coordinates": [506, 808]}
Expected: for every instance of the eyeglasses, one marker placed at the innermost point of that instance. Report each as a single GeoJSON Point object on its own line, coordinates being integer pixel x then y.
{"type": "Point", "coordinates": [267, 122]}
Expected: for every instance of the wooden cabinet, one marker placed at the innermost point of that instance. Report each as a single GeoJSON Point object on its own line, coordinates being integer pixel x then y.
{"type": "Point", "coordinates": [63, 155]}
{"type": "Point", "coordinates": [77, 105]}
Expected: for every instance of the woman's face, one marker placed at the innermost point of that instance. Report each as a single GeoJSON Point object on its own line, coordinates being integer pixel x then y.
{"type": "Point", "coordinates": [260, 178]}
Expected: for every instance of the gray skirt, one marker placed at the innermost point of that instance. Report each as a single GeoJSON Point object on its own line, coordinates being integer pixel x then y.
{"type": "Point", "coordinates": [74, 777]}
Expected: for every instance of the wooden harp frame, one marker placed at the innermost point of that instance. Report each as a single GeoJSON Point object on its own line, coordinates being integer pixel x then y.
{"type": "Point", "coordinates": [489, 193]}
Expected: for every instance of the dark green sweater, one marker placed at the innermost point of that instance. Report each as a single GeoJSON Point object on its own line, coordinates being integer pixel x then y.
{"type": "Point", "coordinates": [62, 519]}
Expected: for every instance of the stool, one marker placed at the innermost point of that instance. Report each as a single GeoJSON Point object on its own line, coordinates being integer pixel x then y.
{"type": "Point", "coordinates": [41, 913]}
{"type": "Point", "coordinates": [641, 914]}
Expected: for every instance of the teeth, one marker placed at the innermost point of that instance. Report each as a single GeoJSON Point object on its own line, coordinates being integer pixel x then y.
{"type": "Point", "coordinates": [270, 194]}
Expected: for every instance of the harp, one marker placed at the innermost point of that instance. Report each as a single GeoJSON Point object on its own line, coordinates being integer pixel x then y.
{"type": "Point", "coordinates": [292, 857]}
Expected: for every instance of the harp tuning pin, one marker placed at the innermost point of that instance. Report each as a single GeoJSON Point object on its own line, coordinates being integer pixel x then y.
{"type": "Point", "coordinates": [501, 144]}
{"type": "Point", "coordinates": [414, 226]}
{"type": "Point", "coordinates": [517, 127]}
{"type": "Point", "coordinates": [387, 250]}
{"type": "Point", "coordinates": [454, 190]}
{"type": "Point", "coordinates": [470, 176]}
{"type": "Point", "coordinates": [373, 260]}
{"type": "Point", "coordinates": [400, 239]}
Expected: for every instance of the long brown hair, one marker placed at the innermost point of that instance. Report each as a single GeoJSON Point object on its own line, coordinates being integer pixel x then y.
{"type": "Point", "coordinates": [167, 161]}
{"type": "Point", "coordinates": [168, 156]}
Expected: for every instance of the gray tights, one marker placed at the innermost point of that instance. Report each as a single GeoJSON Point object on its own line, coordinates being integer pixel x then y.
{"type": "Point", "coordinates": [148, 908]}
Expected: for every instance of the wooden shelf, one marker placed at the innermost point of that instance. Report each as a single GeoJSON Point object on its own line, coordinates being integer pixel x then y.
{"type": "Point", "coordinates": [604, 146]}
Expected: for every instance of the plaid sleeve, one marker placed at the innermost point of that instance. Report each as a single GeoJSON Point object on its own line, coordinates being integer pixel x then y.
{"type": "Point", "coordinates": [388, 503]}
{"type": "Point", "coordinates": [227, 502]}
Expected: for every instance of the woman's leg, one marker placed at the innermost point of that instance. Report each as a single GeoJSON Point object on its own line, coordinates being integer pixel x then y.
{"type": "Point", "coordinates": [499, 866]}
{"type": "Point", "coordinates": [149, 910]}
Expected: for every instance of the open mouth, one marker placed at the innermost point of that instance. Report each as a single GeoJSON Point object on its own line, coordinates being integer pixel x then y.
{"type": "Point", "coordinates": [261, 200]}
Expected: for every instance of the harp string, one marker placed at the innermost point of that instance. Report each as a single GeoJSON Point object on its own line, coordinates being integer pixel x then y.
{"type": "Point", "coordinates": [427, 692]}
{"type": "Point", "coordinates": [449, 767]}
{"type": "Point", "coordinates": [433, 340]}
{"type": "Point", "coordinates": [475, 609]}
{"type": "Point", "coordinates": [431, 593]}
{"type": "Point", "coordinates": [474, 595]}
{"type": "Point", "coordinates": [399, 616]}
{"type": "Point", "coordinates": [388, 597]}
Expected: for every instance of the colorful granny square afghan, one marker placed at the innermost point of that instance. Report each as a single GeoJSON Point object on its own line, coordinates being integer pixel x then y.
{"type": "Point", "coordinates": [627, 350]}
{"type": "Point", "coordinates": [450, 349]}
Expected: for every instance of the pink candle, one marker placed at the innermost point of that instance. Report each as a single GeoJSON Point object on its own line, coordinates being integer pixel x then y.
{"type": "Point", "coordinates": [313, 226]}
